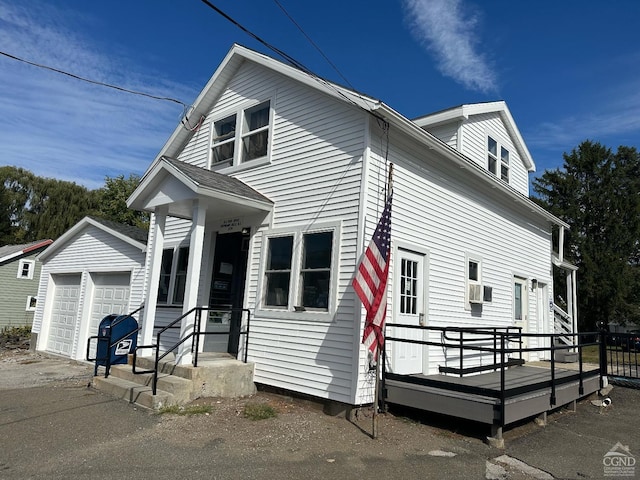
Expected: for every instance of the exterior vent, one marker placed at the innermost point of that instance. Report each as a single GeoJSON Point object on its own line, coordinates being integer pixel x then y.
{"type": "Point", "coordinates": [475, 293]}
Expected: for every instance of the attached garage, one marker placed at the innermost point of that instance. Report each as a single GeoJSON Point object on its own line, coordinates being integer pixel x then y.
{"type": "Point", "coordinates": [94, 270]}
{"type": "Point", "coordinates": [64, 315]}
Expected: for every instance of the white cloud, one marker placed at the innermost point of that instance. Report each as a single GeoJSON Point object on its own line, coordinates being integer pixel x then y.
{"type": "Point", "coordinates": [449, 34]}
{"type": "Point", "coordinates": [61, 127]}
{"type": "Point", "coordinates": [612, 123]}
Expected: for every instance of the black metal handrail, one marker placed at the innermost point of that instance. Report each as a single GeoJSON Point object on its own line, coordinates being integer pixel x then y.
{"type": "Point", "coordinates": [111, 342]}
{"type": "Point", "coordinates": [194, 335]}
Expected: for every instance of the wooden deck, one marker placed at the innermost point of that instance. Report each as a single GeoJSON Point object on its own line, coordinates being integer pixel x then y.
{"type": "Point", "coordinates": [528, 392]}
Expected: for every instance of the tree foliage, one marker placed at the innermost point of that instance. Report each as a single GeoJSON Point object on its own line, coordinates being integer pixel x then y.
{"type": "Point", "coordinates": [112, 201]}
{"type": "Point", "coordinates": [597, 192]}
{"type": "Point", "coordinates": [35, 208]}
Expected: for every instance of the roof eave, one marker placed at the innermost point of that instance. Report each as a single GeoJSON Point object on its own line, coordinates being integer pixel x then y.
{"type": "Point", "coordinates": [432, 142]}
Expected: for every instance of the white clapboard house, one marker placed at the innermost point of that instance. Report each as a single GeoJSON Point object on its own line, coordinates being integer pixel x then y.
{"type": "Point", "coordinates": [266, 197]}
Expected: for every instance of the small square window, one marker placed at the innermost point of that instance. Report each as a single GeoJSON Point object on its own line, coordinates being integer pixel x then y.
{"type": "Point", "coordinates": [32, 302]}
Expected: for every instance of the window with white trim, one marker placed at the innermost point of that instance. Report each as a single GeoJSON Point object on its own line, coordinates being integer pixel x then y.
{"type": "Point", "coordinates": [32, 302]}
{"type": "Point", "coordinates": [473, 277]}
{"type": "Point", "coordinates": [300, 271]}
{"type": "Point", "coordinates": [173, 275]}
{"type": "Point", "coordinates": [241, 137]}
{"type": "Point", "coordinates": [498, 165]}
{"type": "Point", "coordinates": [26, 268]}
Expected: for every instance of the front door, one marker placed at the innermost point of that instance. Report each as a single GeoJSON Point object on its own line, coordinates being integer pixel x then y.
{"type": "Point", "coordinates": [408, 309]}
{"type": "Point", "coordinates": [227, 292]}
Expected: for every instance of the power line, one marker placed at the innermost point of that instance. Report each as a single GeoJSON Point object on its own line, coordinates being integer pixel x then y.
{"type": "Point", "coordinates": [95, 82]}
{"type": "Point", "coordinates": [314, 44]}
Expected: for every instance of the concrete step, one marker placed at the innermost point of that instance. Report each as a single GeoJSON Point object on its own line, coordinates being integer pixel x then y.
{"type": "Point", "coordinates": [180, 388]}
{"type": "Point", "coordinates": [133, 392]}
{"type": "Point", "coordinates": [217, 375]}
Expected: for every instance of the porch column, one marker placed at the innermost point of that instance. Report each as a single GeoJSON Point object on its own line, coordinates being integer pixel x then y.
{"type": "Point", "coordinates": [154, 259]}
{"type": "Point", "coordinates": [196, 248]}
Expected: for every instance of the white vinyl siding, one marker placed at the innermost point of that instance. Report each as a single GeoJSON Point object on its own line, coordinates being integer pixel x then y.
{"type": "Point", "coordinates": [447, 133]}
{"type": "Point", "coordinates": [443, 209]}
{"type": "Point", "coordinates": [476, 130]}
{"type": "Point", "coordinates": [313, 178]}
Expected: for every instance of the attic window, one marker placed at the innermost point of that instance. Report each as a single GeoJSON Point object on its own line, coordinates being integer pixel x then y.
{"type": "Point", "coordinates": [242, 137]}
{"type": "Point", "coordinates": [497, 165]}
{"type": "Point", "coordinates": [224, 139]}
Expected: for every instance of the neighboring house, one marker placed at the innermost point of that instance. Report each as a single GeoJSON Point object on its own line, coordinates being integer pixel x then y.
{"type": "Point", "coordinates": [266, 197]}
{"type": "Point", "coordinates": [19, 277]}
{"type": "Point", "coordinates": [95, 269]}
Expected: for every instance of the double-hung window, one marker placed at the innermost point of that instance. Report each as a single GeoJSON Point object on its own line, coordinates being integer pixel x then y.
{"type": "Point", "coordinates": [173, 276]}
{"type": "Point", "coordinates": [498, 165]}
{"type": "Point", "coordinates": [300, 271]}
{"type": "Point", "coordinates": [26, 268]}
{"type": "Point", "coordinates": [242, 136]}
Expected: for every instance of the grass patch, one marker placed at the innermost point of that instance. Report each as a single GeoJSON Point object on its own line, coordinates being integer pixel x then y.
{"type": "Point", "coordinates": [259, 411]}
{"type": "Point", "coordinates": [591, 354]}
{"type": "Point", "coordinates": [186, 409]}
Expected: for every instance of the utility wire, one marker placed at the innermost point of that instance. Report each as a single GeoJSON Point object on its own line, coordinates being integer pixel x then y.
{"type": "Point", "coordinates": [95, 82]}
{"type": "Point", "coordinates": [288, 58]}
{"type": "Point", "coordinates": [314, 44]}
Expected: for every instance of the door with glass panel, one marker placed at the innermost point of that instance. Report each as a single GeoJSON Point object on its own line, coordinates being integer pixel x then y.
{"type": "Point", "coordinates": [408, 309]}
{"type": "Point", "coordinates": [521, 309]}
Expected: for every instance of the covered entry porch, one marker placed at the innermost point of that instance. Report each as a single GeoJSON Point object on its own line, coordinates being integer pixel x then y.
{"type": "Point", "coordinates": [209, 267]}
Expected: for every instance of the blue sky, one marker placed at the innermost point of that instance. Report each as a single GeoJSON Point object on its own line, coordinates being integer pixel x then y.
{"type": "Point", "coordinates": [569, 70]}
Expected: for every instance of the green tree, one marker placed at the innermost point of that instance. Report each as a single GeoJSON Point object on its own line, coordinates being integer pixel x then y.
{"type": "Point", "coordinates": [36, 208]}
{"type": "Point", "coordinates": [597, 192]}
{"type": "Point", "coordinates": [112, 201]}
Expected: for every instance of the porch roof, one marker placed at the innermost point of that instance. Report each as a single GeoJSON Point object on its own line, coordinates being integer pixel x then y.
{"type": "Point", "coordinates": [175, 185]}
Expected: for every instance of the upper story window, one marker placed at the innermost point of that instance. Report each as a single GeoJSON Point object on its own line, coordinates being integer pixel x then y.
{"type": "Point", "coordinates": [26, 268]}
{"type": "Point", "coordinates": [241, 137]}
{"type": "Point", "coordinates": [498, 165]}
{"type": "Point", "coordinates": [300, 273]}
{"type": "Point", "coordinates": [173, 276]}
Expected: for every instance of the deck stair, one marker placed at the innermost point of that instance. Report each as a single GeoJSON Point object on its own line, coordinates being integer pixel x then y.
{"type": "Point", "coordinates": [217, 375]}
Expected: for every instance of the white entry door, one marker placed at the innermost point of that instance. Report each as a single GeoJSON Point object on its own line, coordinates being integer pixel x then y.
{"type": "Point", "coordinates": [408, 309]}
{"type": "Point", "coordinates": [64, 314]}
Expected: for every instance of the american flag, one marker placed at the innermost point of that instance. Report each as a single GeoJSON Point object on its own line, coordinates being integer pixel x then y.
{"type": "Point", "coordinates": [370, 282]}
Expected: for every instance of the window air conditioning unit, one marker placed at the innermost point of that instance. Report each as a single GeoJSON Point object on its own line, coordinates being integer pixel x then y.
{"type": "Point", "coordinates": [475, 293]}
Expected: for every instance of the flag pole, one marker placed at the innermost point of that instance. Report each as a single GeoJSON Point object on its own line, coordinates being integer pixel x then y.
{"type": "Point", "coordinates": [387, 190]}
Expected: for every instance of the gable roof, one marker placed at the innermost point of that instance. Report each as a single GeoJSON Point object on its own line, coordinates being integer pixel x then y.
{"type": "Point", "coordinates": [237, 55]}
{"type": "Point", "coordinates": [134, 236]}
{"type": "Point", "coordinates": [201, 182]}
{"type": "Point", "coordinates": [465, 111]}
{"type": "Point", "coordinates": [9, 252]}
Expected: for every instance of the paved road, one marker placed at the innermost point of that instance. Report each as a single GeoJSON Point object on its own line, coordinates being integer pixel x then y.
{"type": "Point", "coordinates": [64, 430]}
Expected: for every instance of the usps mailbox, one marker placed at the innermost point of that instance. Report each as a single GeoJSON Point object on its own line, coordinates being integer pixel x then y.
{"type": "Point", "coordinates": [112, 328]}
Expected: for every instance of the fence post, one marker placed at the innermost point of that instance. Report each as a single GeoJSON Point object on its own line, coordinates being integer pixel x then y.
{"type": "Point", "coordinates": [602, 337]}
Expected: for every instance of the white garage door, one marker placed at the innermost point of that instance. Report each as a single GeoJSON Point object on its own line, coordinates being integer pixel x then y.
{"type": "Point", "coordinates": [110, 295]}
{"type": "Point", "coordinates": [64, 313]}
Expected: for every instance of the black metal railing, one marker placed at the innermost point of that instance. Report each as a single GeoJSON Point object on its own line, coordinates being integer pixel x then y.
{"type": "Point", "coordinates": [619, 356]}
{"type": "Point", "coordinates": [194, 336]}
{"type": "Point", "coordinates": [497, 344]}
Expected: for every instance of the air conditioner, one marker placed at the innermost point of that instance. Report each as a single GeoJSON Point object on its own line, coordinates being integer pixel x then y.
{"type": "Point", "coordinates": [475, 293]}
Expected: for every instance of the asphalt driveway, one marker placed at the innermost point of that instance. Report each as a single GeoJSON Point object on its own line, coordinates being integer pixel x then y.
{"type": "Point", "coordinates": [53, 426]}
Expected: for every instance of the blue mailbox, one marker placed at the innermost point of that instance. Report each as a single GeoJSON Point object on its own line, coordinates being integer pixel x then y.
{"type": "Point", "coordinates": [116, 334]}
